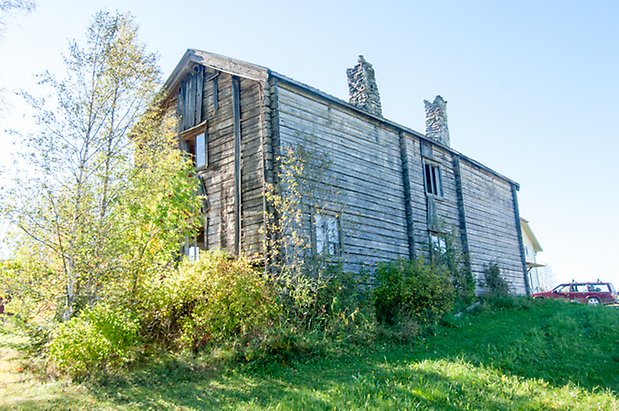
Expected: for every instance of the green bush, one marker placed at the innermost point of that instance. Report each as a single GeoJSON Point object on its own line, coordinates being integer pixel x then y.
{"type": "Point", "coordinates": [412, 290]}
{"type": "Point", "coordinates": [330, 304]}
{"type": "Point", "coordinates": [495, 284]}
{"type": "Point", "coordinates": [215, 299]}
{"type": "Point", "coordinates": [344, 309]}
{"type": "Point", "coordinates": [102, 338]}
{"type": "Point", "coordinates": [457, 263]}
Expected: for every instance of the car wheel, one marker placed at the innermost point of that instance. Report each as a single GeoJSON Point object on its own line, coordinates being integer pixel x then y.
{"type": "Point", "coordinates": [593, 301]}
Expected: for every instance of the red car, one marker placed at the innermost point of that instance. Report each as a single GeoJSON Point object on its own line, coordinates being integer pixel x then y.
{"type": "Point", "coordinates": [586, 293]}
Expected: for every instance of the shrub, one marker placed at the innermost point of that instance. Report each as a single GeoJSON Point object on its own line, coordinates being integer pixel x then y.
{"type": "Point", "coordinates": [328, 303]}
{"type": "Point", "coordinates": [102, 338]}
{"type": "Point", "coordinates": [344, 309]}
{"type": "Point", "coordinates": [412, 290]}
{"type": "Point", "coordinates": [457, 263]}
{"type": "Point", "coordinates": [215, 299]}
{"type": "Point", "coordinates": [494, 282]}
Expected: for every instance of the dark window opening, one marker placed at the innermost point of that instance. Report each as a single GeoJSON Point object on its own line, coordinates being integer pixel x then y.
{"type": "Point", "coordinates": [432, 175]}
{"type": "Point", "coordinates": [201, 238]}
{"type": "Point", "coordinates": [204, 197]}
{"type": "Point", "coordinates": [192, 246]}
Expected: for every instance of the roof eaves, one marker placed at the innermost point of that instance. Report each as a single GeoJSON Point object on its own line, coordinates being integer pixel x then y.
{"type": "Point", "coordinates": [216, 61]}
{"type": "Point", "coordinates": [259, 73]}
{"type": "Point", "coordinates": [527, 228]}
{"type": "Point", "coordinates": [232, 66]}
{"type": "Point", "coordinates": [393, 124]}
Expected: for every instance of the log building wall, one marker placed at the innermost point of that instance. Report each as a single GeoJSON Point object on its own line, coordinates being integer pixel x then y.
{"type": "Point", "coordinates": [374, 183]}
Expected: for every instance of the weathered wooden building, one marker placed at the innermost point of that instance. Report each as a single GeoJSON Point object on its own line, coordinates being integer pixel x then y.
{"type": "Point", "coordinates": [393, 191]}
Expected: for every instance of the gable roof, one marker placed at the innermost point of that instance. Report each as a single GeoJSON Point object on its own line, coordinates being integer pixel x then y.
{"type": "Point", "coordinates": [259, 73]}
{"type": "Point", "coordinates": [218, 62]}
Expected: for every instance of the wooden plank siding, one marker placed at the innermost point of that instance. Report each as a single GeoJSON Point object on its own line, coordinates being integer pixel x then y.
{"type": "Point", "coordinates": [365, 172]}
{"type": "Point", "coordinates": [252, 171]}
{"type": "Point", "coordinates": [374, 179]}
{"type": "Point", "coordinates": [446, 205]}
{"type": "Point", "coordinates": [491, 225]}
{"type": "Point", "coordinates": [219, 176]}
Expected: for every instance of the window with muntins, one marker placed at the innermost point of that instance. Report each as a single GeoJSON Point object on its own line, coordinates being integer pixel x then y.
{"type": "Point", "coordinates": [328, 235]}
{"type": "Point", "coordinates": [432, 176]}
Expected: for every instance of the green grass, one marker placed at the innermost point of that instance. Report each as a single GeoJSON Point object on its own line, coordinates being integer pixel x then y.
{"type": "Point", "coordinates": [544, 356]}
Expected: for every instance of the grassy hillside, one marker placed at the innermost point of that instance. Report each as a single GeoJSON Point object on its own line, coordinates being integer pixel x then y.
{"type": "Point", "coordinates": [547, 355]}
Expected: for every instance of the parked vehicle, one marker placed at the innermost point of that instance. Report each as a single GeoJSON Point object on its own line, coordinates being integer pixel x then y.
{"type": "Point", "coordinates": [587, 293]}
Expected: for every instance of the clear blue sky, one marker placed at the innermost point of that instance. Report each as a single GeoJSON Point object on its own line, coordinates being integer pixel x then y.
{"type": "Point", "coordinates": [532, 86]}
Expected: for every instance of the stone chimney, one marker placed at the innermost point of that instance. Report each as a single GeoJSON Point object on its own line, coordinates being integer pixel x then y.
{"type": "Point", "coordinates": [363, 89]}
{"type": "Point", "coordinates": [436, 120]}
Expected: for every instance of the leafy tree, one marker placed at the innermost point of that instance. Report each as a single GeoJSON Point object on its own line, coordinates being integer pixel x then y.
{"type": "Point", "coordinates": [7, 6]}
{"type": "Point", "coordinates": [106, 196]}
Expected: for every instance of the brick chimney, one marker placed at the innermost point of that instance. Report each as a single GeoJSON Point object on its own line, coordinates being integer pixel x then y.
{"type": "Point", "coordinates": [363, 89]}
{"type": "Point", "coordinates": [436, 120]}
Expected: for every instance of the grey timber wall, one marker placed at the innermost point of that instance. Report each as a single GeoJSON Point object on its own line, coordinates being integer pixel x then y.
{"type": "Point", "coordinates": [446, 206]}
{"type": "Point", "coordinates": [491, 225]}
{"type": "Point", "coordinates": [365, 171]}
{"type": "Point", "coordinates": [252, 173]}
{"type": "Point", "coordinates": [219, 176]}
{"type": "Point", "coordinates": [374, 181]}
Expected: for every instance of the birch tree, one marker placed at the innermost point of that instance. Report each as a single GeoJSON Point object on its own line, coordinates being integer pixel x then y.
{"type": "Point", "coordinates": [91, 195]}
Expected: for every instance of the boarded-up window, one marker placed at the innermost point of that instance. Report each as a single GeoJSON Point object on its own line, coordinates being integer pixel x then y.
{"type": "Point", "coordinates": [433, 220]}
{"type": "Point", "coordinates": [189, 107]}
{"type": "Point", "coordinates": [432, 176]}
{"type": "Point", "coordinates": [426, 149]}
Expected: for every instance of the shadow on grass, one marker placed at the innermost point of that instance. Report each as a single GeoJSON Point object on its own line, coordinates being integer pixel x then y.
{"type": "Point", "coordinates": [545, 356]}
{"type": "Point", "coordinates": [371, 385]}
{"type": "Point", "coordinates": [387, 380]}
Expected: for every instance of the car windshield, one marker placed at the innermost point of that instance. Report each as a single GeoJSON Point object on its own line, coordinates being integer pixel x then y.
{"type": "Point", "coordinates": [563, 288]}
